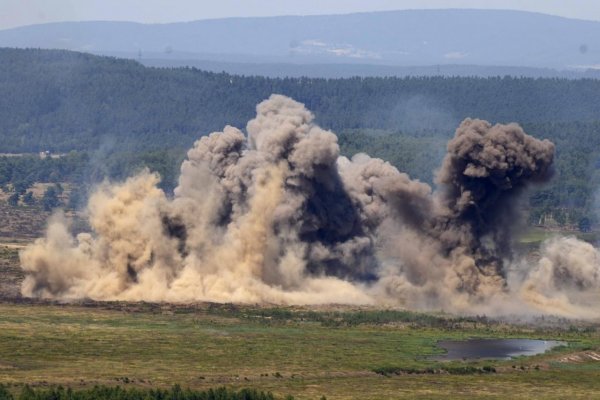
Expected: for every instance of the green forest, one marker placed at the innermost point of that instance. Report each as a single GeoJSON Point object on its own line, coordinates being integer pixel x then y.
{"type": "Point", "coordinates": [108, 117]}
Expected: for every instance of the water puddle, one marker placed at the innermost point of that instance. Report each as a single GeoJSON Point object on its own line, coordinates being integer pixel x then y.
{"type": "Point", "coordinates": [473, 349]}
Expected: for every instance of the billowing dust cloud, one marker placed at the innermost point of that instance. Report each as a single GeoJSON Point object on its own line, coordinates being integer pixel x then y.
{"type": "Point", "coordinates": [279, 216]}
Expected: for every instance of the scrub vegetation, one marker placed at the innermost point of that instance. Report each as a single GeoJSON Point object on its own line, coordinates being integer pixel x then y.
{"type": "Point", "coordinates": [328, 351]}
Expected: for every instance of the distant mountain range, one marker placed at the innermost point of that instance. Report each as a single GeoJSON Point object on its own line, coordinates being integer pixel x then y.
{"type": "Point", "coordinates": [364, 43]}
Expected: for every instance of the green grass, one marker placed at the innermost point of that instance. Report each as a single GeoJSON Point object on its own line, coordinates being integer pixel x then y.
{"type": "Point", "coordinates": [535, 236]}
{"type": "Point", "coordinates": [305, 353]}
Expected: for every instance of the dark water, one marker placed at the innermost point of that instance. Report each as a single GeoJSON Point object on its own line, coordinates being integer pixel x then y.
{"type": "Point", "coordinates": [494, 348]}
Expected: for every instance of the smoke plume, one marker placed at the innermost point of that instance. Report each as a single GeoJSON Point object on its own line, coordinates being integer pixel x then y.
{"type": "Point", "coordinates": [279, 216]}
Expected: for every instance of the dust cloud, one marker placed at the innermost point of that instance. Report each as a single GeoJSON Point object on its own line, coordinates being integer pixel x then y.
{"type": "Point", "coordinates": [278, 216]}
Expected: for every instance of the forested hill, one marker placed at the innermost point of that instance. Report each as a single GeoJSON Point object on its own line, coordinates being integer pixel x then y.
{"type": "Point", "coordinates": [60, 101]}
{"type": "Point", "coordinates": [120, 116]}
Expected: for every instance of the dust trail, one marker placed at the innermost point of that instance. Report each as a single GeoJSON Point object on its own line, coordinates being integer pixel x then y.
{"type": "Point", "coordinates": [279, 216]}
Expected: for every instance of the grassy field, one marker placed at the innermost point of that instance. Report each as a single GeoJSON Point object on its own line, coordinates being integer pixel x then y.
{"type": "Point", "coordinates": [337, 352]}
{"type": "Point", "coordinates": [304, 353]}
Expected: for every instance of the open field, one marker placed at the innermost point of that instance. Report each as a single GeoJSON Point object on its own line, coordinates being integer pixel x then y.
{"type": "Point", "coordinates": [335, 352]}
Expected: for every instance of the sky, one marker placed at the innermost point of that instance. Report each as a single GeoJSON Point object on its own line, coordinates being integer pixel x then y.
{"type": "Point", "coordinates": [15, 13]}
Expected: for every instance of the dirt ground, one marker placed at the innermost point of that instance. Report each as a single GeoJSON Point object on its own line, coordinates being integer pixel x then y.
{"type": "Point", "coordinates": [18, 227]}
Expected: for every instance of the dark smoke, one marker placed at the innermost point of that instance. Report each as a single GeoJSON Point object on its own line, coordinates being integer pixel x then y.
{"type": "Point", "coordinates": [480, 182]}
{"type": "Point", "coordinates": [279, 216]}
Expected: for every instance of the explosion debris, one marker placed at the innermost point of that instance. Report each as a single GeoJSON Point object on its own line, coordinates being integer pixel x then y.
{"type": "Point", "coordinates": [279, 216]}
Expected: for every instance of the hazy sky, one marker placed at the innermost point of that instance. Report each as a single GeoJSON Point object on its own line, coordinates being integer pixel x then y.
{"type": "Point", "coordinates": [26, 12]}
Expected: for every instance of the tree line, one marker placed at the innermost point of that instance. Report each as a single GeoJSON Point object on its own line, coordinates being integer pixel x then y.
{"type": "Point", "coordinates": [112, 117]}
{"type": "Point", "coordinates": [60, 101]}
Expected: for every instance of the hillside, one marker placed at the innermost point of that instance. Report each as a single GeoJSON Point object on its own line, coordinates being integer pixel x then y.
{"type": "Point", "coordinates": [124, 115]}
{"type": "Point", "coordinates": [335, 70]}
{"type": "Point", "coordinates": [405, 38]}
{"type": "Point", "coordinates": [62, 101]}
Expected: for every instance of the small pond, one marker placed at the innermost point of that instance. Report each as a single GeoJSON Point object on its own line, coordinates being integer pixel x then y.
{"type": "Point", "coordinates": [473, 349]}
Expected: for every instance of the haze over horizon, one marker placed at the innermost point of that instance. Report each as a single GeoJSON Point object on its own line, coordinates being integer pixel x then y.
{"type": "Point", "coordinates": [21, 13]}
{"type": "Point", "coordinates": [389, 38]}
